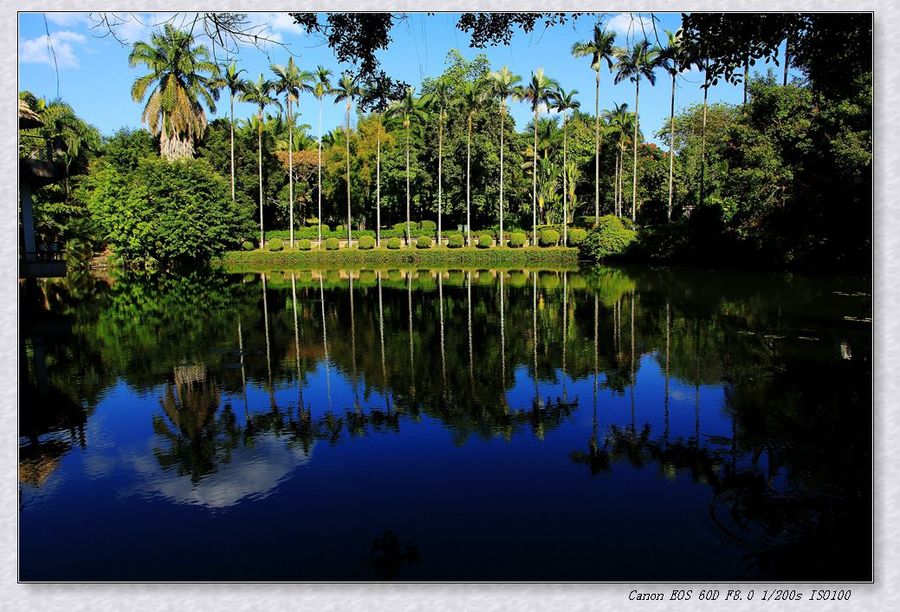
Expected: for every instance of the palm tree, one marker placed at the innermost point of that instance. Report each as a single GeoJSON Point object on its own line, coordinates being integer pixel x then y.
{"type": "Point", "coordinates": [182, 76]}
{"type": "Point", "coordinates": [260, 92]}
{"type": "Point", "coordinates": [291, 81]}
{"type": "Point", "coordinates": [232, 81]}
{"type": "Point", "coordinates": [563, 101]}
{"type": "Point", "coordinates": [472, 96]}
{"type": "Point", "coordinates": [321, 88]}
{"type": "Point", "coordinates": [504, 84]}
{"type": "Point", "coordinates": [407, 108]}
{"type": "Point", "coordinates": [671, 58]}
{"type": "Point", "coordinates": [620, 125]}
{"type": "Point", "coordinates": [348, 90]}
{"type": "Point", "coordinates": [632, 65]}
{"type": "Point", "coordinates": [599, 48]}
{"type": "Point", "coordinates": [440, 97]}
{"type": "Point", "coordinates": [537, 92]}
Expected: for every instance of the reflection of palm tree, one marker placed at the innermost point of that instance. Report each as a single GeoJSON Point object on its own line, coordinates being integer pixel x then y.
{"type": "Point", "coordinates": [381, 339]}
{"type": "Point", "coordinates": [441, 311]}
{"type": "Point", "coordinates": [668, 330]}
{"type": "Point", "coordinates": [268, 349]}
{"type": "Point", "coordinates": [565, 331]}
{"type": "Point", "coordinates": [325, 341]}
{"type": "Point", "coordinates": [502, 344]}
{"type": "Point", "coordinates": [243, 372]}
{"type": "Point", "coordinates": [412, 363]}
{"type": "Point", "coordinates": [353, 345]}
{"type": "Point", "coordinates": [297, 342]}
{"type": "Point", "coordinates": [469, 316]}
{"type": "Point", "coordinates": [534, 339]}
{"type": "Point", "coordinates": [632, 362]}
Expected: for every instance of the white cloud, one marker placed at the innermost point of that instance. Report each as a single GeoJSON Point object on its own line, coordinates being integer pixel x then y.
{"type": "Point", "coordinates": [38, 50]}
{"type": "Point", "coordinates": [67, 19]}
{"type": "Point", "coordinates": [631, 24]}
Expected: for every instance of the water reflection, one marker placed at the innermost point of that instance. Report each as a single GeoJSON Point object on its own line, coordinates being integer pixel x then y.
{"type": "Point", "coordinates": [755, 390]}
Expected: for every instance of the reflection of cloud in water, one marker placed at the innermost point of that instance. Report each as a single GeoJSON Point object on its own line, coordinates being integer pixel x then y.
{"type": "Point", "coordinates": [253, 473]}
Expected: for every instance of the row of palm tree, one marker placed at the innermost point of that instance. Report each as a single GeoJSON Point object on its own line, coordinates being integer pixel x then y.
{"type": "Point", "coordinates": [182, 77]}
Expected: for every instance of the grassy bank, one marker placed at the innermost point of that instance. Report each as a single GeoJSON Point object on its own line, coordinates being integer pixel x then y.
{"type": "Point", "coordinates": [554, 257]}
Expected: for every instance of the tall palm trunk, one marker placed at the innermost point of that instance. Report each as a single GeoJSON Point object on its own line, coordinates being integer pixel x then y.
{"type": "Point", "coordinates": [565, 181]}
{"type": "Point", "coordinates": [502, 129]}
{"type": "Point", "coordinates": [671, 151]}
{"type": "Point", "coordinates": [440, 171]}
{"type": "Point", "coordinates": [319, 215]}
{"type": "Point", "coordinates": [703, 149]}
{"type": "Point", "coordinates": [597, 149]}
{"type": "Point", "coordinates": [232, 147]}
{"type": "Point", "coordinates": [469, 183]}
{"type": "Point", "coordinates": [637, 90]}
{"type": "Point", "coordinates": [746, 77]}
{"type": "Point", "coordinates": [290, 169]}
{"type": "Point", "coordinates": [408, 236]}
{"type": "Point", "coordinates": [616, 187]}
{"type": "Point", "coordinates": [349, 235]}
{"type": "Point", "coordinates": [262, 236]}
{"type": "Point", "coordinates": [787, 58]}
{"type": "Point", "coordinates": [534, 183]}
{"type": "Point", "coordinates": [378, 189]}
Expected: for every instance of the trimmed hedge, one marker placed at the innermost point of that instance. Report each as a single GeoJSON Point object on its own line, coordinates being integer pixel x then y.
{"type": "Point", "coordinates": [517, 240]}
{"type": "Point", "coordinates": [275, 244]}
{"type": "Point", "coordinates": [610, 238]}
{"type": "Point", "coordinates": [423, 242]}
{"type": "Point", "coordinates": [247, 245]}
{"type": "Point", "coordinates": [366, 243]}
{"type": "Point", "coordinates": [393, 243]}
{"type": "Point", "coordinates": [548, 237]}
{"type": "Point", "coordinates": [304, 245]}
{"type": "Point", "coordinates": [332, 244]}
{"type": "Point", "coordinates": [485, 241]}
{"type": "Point", "coordinates": [455, 241]}
{"type": "Point", "coordinates": [577, 235]}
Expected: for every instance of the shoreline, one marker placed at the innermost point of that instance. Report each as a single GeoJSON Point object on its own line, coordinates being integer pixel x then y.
{"type": "Point", "coordinates": [254, 261]}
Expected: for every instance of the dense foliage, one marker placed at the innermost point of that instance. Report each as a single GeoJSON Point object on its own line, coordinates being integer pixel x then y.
{"type": "Point", "coordinates": [162, 212]}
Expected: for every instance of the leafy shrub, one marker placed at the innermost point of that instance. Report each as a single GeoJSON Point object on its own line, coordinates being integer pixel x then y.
{"type": "Point", "coordinates": [366, 243]}
{"type": "Point", "coordinates": [627, 222]}
{"type": "Point", "coordinates": [247, 245]}
{"type": "Point", "coordinates": [393, 243]}
{"type": "Point", "coordinates": [304, 244]}
{"type": "Point", "coordinates": [163, 211]}
{"type": "Point", "coordinates": [485, 241]}
{"type": "Point", "coordinates": [275, 244]}
{"type": "Point", "coordinates": [517, 240]}
{"type": "Point", "coordinates": [548, 237]}
{"type": "Point", "coordinates": [455, 241]}
{"type": "Point", "coordinates": [423, 242]}
{"type": "Point", "coordinates": [608, 239]}
{"type": "Point", "coordinates": [428, 225]}
{"type": "Point", "coordinates": [577, 235]}
{"type": "Point", "coordinates": [401, 227]}
{"type": "Point", "coordinates": [332, 244]}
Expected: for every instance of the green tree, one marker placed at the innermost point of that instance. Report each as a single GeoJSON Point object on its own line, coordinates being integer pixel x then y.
{"type": "Point", "coordinates": [407, 109]}
{"type": "Point", "coordinates": [167, 212]}
{"type": "Point", "coordinates": [231, 80]}
{"type": "Point", "coordinates": [632, 65]}
{"type": "Point", "coordinates": [262, 93]}
{"type": "Point", "coordinates": [441, 98]}
{"type": "Point", "coordinates": [321, 88]}
{"type": "Point", "coordinates": [182, 76]}
{"type": "Point", "coordinates": [471, 97]}
{"type": "Point", "coordinates": [291, 81]}
{"type": "Point", "coordinates": [536, 93]}
{"type": "Point", "coordinates": [504, 84]}
{"type": "Point", "coordinates": [348, 90]}
{"type": "Point", "coordinates": [563, 101]}
{"type": "Point", "coordinates": [600, 48]}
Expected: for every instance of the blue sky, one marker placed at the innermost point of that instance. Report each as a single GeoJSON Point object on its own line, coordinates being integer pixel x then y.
{"type": "Point", "coordinates": [94, 76]}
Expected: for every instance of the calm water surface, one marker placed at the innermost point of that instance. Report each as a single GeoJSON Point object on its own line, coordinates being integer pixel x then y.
{"type": "Point", "coordinates": [602, 424]}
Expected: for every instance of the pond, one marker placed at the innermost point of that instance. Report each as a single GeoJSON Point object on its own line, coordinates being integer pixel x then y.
{"type": "Point", "coordinates": [603, 424]}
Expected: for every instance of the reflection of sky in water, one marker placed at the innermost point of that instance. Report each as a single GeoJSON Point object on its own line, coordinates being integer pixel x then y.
{"type": "Point", "coordinates": [469, 493]}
